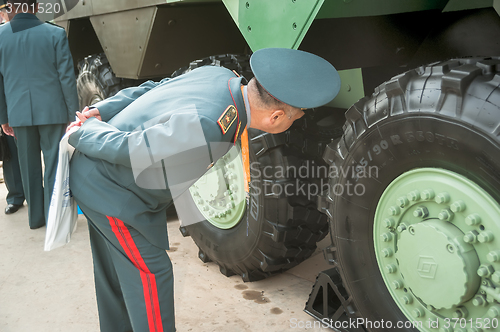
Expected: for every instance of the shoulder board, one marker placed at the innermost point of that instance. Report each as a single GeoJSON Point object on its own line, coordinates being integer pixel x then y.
{"type": "Point", "coordinates": [52, 23]}
{"type": "Point", "coordinates": [227, 118]}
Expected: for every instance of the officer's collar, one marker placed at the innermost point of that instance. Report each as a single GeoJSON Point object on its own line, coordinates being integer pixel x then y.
{"type": "Point", "coordinates": [235, 88]}
{"type": "Point", "coordinates": [25, 16]}
{"type": "Point", "coordinates": [24, 21]}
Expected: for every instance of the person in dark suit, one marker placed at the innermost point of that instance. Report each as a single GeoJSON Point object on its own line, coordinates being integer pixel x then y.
{"type": "Point", "coordinates": [38, 99]}
{"type": "Point", "coordinates": [11, 171]}
{"type": "Point", "coordinates": [138, 151]}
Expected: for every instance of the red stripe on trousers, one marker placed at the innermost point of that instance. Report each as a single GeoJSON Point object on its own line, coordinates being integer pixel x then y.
{"type": "Point", "coordinates": [148, 279]}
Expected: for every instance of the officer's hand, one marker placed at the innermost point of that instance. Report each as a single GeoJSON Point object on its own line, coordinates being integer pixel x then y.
{"type": "Point", "coordinates": [76, 123]}
{"type": "Point", "coordinates": [87, 114]}
{"type": "Point", "coordinates": [8, 129]}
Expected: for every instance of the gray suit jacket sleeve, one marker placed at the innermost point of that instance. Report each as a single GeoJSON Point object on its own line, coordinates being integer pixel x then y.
{"type": "Point", "coordinates": [111, 106]}
{"type": "Point", "coordinates": [66, 74]}
{"type": "Point", "coordinates": [3, 104]}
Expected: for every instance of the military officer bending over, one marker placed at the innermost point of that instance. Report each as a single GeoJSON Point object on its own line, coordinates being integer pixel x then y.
{"type": "Point", "coordinates": [138, 151]}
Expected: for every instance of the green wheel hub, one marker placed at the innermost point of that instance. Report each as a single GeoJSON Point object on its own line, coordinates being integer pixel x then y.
{"type": "Point", "coordinates": [220, 193]}
{"type": "Point", "coordinates": [437, 243]}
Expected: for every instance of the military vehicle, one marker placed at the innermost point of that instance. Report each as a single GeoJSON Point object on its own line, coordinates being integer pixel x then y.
{"type": "Point", "coordinates": [404, 175]}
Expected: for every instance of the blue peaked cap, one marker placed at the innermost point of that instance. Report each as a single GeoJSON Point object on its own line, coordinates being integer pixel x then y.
{"type": "Point", "coordinates": [297, 78]}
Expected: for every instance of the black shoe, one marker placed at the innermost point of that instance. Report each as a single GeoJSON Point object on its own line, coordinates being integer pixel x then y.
{"type": "Point", "coordinates": [12, 208]}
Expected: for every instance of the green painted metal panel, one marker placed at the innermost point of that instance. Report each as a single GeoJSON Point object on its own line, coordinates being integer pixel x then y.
{"type": "Point", "coordinates": [352, 88]}
{"type": "Point", "coordinates": [277, 23]}
{"type": "Point", "coordinates": [357, 8]}
{"type": "Point", "coordinates": [456, 5]}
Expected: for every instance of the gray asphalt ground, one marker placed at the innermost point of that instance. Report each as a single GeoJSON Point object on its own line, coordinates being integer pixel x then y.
{"type": "Point", "coordinates": [54, 291]}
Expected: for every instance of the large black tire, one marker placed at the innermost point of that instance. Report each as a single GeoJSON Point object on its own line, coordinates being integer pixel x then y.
{"type": "Point", "coordinates": [277, 231]}
{"type": "Point", "coordinates": [445, 115]}
{"type": "Point", "coordinates": [96, 80]}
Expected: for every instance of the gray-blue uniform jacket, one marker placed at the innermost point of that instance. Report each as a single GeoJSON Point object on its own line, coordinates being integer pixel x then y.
{"type": "Point", "coordinates": [41, 85]}
{"type": "Point", "coordinates": [153, 143]}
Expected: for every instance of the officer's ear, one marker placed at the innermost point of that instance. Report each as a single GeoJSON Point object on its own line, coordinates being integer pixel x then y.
{"type": "Point", "coordinates": [276, 116]}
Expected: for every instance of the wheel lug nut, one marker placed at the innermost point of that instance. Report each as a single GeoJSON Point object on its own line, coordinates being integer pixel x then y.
{"type": "Point", "coordinates": [479, 300]}
{"type": "Point", "coordinates": [428, 194]}
{"type": "Point", "coordinates": [496, 277]}
{"type": "Point", "coordinates": [387, 252]}
{"type": "Point", "coordinates": [407, 299]}
{"type": "Point", "coordinates": [414, 196]}
{"type": "Point", "coordinates": [461, 312]}
{"type": "Point", "coordinates": [418, 312]}
{"type": "Point", "coordinates": [391, 268]}
{"type": "Point", "coordinates": [486, 236]}
{"type": "Point", "coordinates": [389, 223]}
{"type": "Point", "coordinates": [402, 201]}
{"type": "Point", "coordinates": [458, 206]}
{"type": "Point", "coordinates": [473, 219]}
{"type": "Point", "coordinates": [394, 210]}
{"type": "Point", "coordinates": [494, 311]}
{"type": "Point", "coordinates": [421, 212]}
{"type": "Point", "coordinates": [485, 271]}
{"type": "Point", "coordinates": [397, 284]}
{"type": "Point", "coordinates": [200, 201]}
{"type": "Point", "coordinates": [401, 227]}
{"type": "Point", "coordinates": [471, 237]}
{"type": "Point", "coordinates": [387, 237]}
{"type": "Point", "coordinates": [446, 215]}
{"type": "Point", "coordinates": [493, 256]}
{"type": "Point", "coordinates": [230, 205]}
{"type": "Point", "coordinates": [442, 198]}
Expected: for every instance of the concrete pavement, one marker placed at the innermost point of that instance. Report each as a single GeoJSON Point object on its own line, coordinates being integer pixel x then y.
{"type": "Point", "coordinates": [54, 291]}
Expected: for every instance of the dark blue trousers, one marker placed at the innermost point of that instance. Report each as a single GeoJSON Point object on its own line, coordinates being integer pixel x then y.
{"type": "Point", "coordinates": [12, 175]}
{"type": "Point", "coordinates": [133, 279]}
{"type": "Point", "coordinates": [38, 188]}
